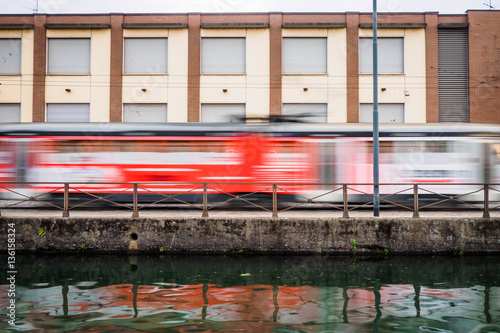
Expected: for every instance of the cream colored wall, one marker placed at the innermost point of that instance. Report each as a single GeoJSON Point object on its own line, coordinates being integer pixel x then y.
{"type": "Point", "coordinates": [170, 88]}
{"type": "Point", "coordinates": [328, 88]}
{"type": "Point", "coordinates": [19, 88]}
{"type": "Point", "coordinates": [93, 88]}
{"type": "Point", "coordinates": [251, 88]}
{"type": "Point", "coordinates": [408, 88]}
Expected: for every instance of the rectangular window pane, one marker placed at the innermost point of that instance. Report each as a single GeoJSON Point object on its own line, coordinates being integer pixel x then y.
{"type": "Point", "coordinates": [222, 113]}
{"type": "Point", "coordinates": [145, 55]}
{"type": "Point", "coordinates": [145, 113]}
{"type": "Point", "coordinates": [390, 55]}
{"type": "Point", "coordinates": [68, 113]}
{"type": "Point", "coordinates": [10, 113]}
{"type": "Point", "coordinates": [306, 112]}
{"type": "Point", "coordinates": [223, 55]}
{"type": "Point", "coordinates": [69, 56]}
{"type": "Point", "coordinates": [387, 113]}
{"type": "Point", "coordinates": [304, 55]}
{"type": "Point", "coordinates": [10, 56]}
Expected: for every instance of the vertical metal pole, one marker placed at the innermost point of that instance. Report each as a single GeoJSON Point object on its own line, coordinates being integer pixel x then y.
{"type": "Point", "coordinates": [376, 202]}
{"type": "Point", "coordinates": [486, 213]}
{"type": "Point", "coordinates": [135, 214]}
{"type": "Point", "coordinates": [346, 206]}
{"type": "Point", "coordinates": [275, 202]}
{"type": "Point", "coordinates": [66, 200]}
{"type": "Point", "coordinates": [415, 201]}
{"type": "Point", "coordinates": [205, 201]}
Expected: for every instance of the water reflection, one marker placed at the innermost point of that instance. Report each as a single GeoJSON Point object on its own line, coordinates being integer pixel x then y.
{"type": "Point", "coordinates": [255, 294]}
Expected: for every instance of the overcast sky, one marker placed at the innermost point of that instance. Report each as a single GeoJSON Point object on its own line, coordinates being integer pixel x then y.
{"type": "Point", "coordinates": [210, 6]}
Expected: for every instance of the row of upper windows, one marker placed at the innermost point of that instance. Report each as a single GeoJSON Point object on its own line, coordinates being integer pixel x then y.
{"type": "Point", "coordinates": [157, 112]}
{"type": "Point", "coordinates": [219, 55]}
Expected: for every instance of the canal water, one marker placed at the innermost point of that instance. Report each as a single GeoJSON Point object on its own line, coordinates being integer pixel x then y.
{"type": "Point", "coordinates": [239, 293]}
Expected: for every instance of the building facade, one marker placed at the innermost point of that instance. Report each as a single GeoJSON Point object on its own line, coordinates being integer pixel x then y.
{"type": "Point", "coordinates": [197, 67]}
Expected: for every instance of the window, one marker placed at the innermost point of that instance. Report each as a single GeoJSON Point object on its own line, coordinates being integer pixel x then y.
{"type": "Point", "coordinates": [213, 113]}
{"type": "Point", "coordinates": [10, 56]}
{"type": "Point", "coordinates": [69, 56]}
{"type": "Point", "coordinates": [390, 55]}
{"type": "Point", "coordinates": [68, 113]}
{"type": "Point", "coordinates": [10, 113]}
{"type": "Point", "coordinates": [387, 113]}
{"type": "Point", "coordinates": [304, 55]}
{"type": "Point", "coordinates": [145, 113]}
{"type": "Point", "coordinates": [145, 55]}
{"type": "Point", "coordinates": [223, 55]}
{"type": "Point", "coordinates": [306, 112]}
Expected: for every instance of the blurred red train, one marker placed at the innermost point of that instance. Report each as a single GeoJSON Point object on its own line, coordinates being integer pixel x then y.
{"type": "Point", "coordinates": [88, 155]}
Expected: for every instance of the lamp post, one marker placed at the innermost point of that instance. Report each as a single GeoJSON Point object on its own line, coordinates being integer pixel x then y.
{"type": "Point", "coordinates": [376, 202]}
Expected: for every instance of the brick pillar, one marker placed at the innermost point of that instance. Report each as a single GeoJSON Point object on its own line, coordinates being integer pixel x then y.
{"type": "Point", "coordinates": [484, 66]}
{"type": "Point", "coordinates": [194, 63]}
{"type": "Point", "coordinates": [352, 20]}
{"type": "Point", "coordinates": [39, 62]}
{"type": "Point", "coordinates": [115, 94]}
{"type": "Point", "coordinates": [431, 68]}
{"type": "Point", "coordinates": [275, 100]}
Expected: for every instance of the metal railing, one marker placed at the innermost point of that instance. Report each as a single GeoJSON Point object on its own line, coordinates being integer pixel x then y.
{"type": "Point", "coordinates": [274, 190]}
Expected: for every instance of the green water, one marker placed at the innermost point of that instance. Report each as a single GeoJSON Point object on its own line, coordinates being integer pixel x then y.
{"type": "Point", "coordinates": [253, 294]}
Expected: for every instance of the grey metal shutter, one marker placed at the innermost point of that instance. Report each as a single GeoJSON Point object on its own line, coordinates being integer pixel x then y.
{"type": "Point", "coordinates": [453, 75]}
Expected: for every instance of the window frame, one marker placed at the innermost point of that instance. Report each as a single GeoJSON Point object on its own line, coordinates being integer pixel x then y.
{"type": "Point", "coordinates": [144, 73]}
{"type": "Point", "coordinates": [202, 52]}
{"type": "Point", "coordinates": [47, 112]}
{"type": "Point", "coordinates": [379, 110]}
{"type": "Point", "coordinates": [48, 71]}
{"type": "Point", "coordinates": [284, 72]}
{"type": "Point", "coordinates": [378, 47]}
{"type": "Point", "coordinates": [149, 104]}
{"type": "Point", "coordinates": [20, 40]}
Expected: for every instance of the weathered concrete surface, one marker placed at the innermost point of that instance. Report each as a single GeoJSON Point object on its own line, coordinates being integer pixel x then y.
{"type": "Point", "coordinates": [258, 235]}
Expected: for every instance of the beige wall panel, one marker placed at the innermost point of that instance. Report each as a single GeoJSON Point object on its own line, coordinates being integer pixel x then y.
{"type": "Point", "coordinates": [223, 32]}
{"type": "Point", "coordinates": [296, 32]}
{"type": "Point", "coordinates": [100, 69]}
{"type": "Point", "coordinates": [408, 88]}
{"type": "Point", "coordinates": [257, 80]}
{"type": "Point", "coordinates": [156, 89]}
{"type": "Point", "coordinates": [394, 85]}
{"type": "Point", "coordinates": [178, 75]}
{"type": "Point", "coordinates": [293, 89]}
{"type": "Point", "coordinates": [55, 86]}
{"type": "Point", "coordinates": [212, 86]}
{"type": "Point", "coordinates": [66, 33]}
{"type": "Point", "coordinates": [145, 32]}
{"type": "Point", "coordinates": [10, 89]}
{"type": "Point", "coordinates": [19, 89]}
{"type": "Point", "coordinates": [337, 75]}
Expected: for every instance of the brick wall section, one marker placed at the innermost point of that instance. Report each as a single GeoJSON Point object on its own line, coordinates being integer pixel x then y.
{"type": "Point", "coordinates": [39, 66]}
{"type": "Point", "coordinates": [393, 18]}
{"type": "Point", "coordinates": [484, 66]}
{"type": "Point", "coordinates": [194, 64]}
{"type": "Point", "coordinates": [431, 68]}
{"type": "Point", "coordinates": [313, 18]}
{"type": "Point", "coordinates": [275, 97]}
{"type": "Point", "coordinates": [78, 18]}
{"type": "Point", "coordinates": [151, 18]}
{"type": "Point", "coordinates": [115, 105]}
{"type": "Point", "coordinates": [352, 21]}
{"type": "Point", "coordinates": [235, 18]}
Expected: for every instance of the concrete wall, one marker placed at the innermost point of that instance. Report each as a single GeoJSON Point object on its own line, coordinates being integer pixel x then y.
{"type": "Point", "coordinates": [292, 236]}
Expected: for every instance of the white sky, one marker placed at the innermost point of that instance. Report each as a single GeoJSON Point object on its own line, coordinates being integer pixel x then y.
{"type": "Point", "coordinates": [210, 6]}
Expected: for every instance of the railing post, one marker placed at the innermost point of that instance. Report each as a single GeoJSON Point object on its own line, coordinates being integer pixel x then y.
{"type": "Point", "coordinates": [345, 215]}
{"type": "Point", "coordinates": [66, 201]}
{"type": "Point", "coordinates": [415, 201]}
{"type": "Point", "coordinates": [205, 201]}
{"type": "Point", "coordinates": [486, 213]}
{"type": "Point", "coordinates": [275, 202]}
{"type": "Point", "coordinates": [135, 213]}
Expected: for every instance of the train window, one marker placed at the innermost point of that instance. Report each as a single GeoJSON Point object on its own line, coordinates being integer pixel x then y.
{"type": "Point", "coordinates": [71, 146]}
{"type": "Point", "coordinates": [182, 146]}
{"type": "Point", "coordinates": [125, 146]}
